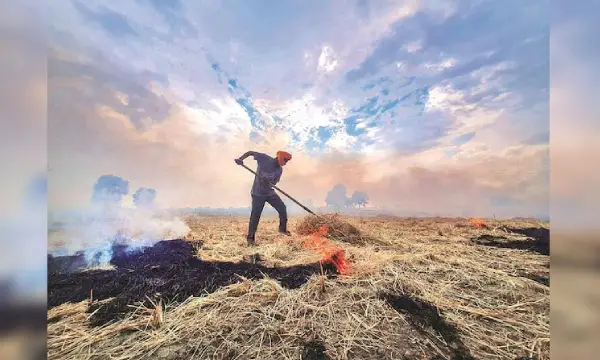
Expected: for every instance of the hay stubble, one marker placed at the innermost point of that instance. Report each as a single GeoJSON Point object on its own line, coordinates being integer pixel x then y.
{"type": "Point", "coordinates": [484, 292]}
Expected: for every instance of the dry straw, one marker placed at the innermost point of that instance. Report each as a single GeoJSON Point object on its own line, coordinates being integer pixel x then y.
{"type": "Point", "coordinates": [338, 229]}
{"type": "Point", "coordinates": [485, 293]}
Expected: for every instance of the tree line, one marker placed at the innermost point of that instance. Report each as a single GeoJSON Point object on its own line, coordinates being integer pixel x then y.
{"type": "Point", "coordinates": [338, 198]}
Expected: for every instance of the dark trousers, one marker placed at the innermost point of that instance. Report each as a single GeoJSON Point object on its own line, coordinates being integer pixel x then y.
{"type": "Point", "coordinates": [258, 204]}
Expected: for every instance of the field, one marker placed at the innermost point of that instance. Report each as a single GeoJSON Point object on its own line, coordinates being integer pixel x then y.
{"type": "Point", "coordinates": [417, 288]}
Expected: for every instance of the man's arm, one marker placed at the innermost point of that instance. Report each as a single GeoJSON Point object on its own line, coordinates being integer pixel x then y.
{"type": "Point", "coordinates": [240, 160]}
{"type": "Point", "coordinates": [246, 154]}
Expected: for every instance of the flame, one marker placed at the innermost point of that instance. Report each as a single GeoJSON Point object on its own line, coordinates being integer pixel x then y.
{"type": "Point", "coordinates": [329, 251]}
{"type": "Point", "coordinates": [478, 223]}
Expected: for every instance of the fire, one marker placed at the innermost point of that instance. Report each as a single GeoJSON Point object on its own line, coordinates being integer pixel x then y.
{"type": "Point", "coordinates": [329, 251]}
{"type": "Point", "coordinates": [478, 223]}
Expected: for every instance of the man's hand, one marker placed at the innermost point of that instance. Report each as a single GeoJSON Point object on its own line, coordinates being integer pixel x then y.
{"type": "Point", "coordinates": [239, 161]}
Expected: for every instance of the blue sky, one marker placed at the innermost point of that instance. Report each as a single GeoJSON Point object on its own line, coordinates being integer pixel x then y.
{"type": "Point", "coordinates": [387, 86]}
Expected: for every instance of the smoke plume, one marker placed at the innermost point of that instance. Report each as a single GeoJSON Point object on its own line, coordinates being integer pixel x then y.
{"type": "Point", "coordinates": [95, 231]}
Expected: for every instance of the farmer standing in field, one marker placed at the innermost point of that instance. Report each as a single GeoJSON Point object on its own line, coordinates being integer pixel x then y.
{"type": "Point", "coordinates": [269, 172]}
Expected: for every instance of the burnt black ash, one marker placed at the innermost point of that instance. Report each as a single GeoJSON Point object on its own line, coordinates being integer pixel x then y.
{"type": "Point", "coordinates": [169, 270]}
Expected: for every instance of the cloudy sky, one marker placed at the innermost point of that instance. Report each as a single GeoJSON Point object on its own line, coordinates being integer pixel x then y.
{"type": "Point", "coordinates": [426, 105]}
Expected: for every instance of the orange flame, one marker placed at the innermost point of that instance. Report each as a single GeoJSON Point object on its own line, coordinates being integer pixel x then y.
{"type": "Point", "coordinates": [478, 223]}
{"type": "Point", "coordinates": [329, 251]}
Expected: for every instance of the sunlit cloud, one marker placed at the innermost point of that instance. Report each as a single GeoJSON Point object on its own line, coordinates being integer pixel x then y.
{"type": "Point", "coordinates": [419, 104]}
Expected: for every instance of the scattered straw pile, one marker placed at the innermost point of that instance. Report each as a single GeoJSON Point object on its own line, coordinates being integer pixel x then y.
{"type": "Point", "coordinates": [312, 223]}
{"type": "Point", "coordinates": [338, 229]}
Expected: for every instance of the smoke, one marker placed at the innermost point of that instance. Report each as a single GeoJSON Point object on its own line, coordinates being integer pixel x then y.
{"type": "Point", "coordinates": [108, 223]}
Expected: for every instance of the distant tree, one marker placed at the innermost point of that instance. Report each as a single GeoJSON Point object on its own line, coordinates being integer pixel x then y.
{"type": "Point", "coordinates": [349, 203]}
{"type": "Point", "coordinates": [359, 198]}
{"type": "Point", "coordinates": [336, 197]}
{"type": "Point", "coordinates": [109, 189]}
{"type": "Point", "coordinates": [144, 197]}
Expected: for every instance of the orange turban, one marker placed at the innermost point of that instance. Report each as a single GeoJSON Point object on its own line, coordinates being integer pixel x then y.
{"type": "Point", "coordinates": [282, 156]}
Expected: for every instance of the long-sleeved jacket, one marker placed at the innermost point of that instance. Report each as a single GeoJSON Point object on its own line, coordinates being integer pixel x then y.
{"type": "Point", "coordinates": [269, 171]}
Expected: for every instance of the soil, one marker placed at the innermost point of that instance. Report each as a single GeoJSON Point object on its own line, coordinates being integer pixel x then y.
{"type": "Point", "coordinates": [424, 316]}
{"type": "Point", "coordinates": [168, 270]}
{"type": "Point", "coordinates": [314, 350]}
{"type": "Point", "coordinates": [538, 240]}
{"type": "Point", "coordinates": [540, 234]}
{"type": "Point", "coordinates": [540, 279]}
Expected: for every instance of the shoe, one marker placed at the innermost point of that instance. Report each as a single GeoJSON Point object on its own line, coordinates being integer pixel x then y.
{"type": "Point", "coordinates": [287, 233]}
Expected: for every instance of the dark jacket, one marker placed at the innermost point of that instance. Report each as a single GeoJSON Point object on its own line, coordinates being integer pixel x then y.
{"type": "Point", "coordinates": [269, 169]}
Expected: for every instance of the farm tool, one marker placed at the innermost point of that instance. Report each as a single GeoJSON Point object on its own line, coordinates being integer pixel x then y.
{"type": "Point", "coordinates": [283, 192]}
{"type": "Point", "coordinates": [296, 201]}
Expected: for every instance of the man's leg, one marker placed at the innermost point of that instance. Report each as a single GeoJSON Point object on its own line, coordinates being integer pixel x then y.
{"type": "Point", "coordinates": [258, 204]}
{"type": "Point", "coordinates": [276, 202]}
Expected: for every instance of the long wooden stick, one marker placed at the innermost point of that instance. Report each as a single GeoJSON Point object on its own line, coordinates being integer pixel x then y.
{"type": "Point", "coordinates": [281, 191]}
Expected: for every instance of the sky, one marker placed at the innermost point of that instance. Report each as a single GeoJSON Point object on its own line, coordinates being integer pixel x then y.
{"type": "Point", "coordinates": [427, 106]}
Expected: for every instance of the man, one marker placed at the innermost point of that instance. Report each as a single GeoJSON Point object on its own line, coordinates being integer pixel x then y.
{"type": "Point", "coordinates": [269, 172]}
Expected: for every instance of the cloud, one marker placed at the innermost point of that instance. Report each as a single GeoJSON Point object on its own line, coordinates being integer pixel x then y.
{"type": "Point", "coordinates": [539, 138]}
{"type": "Point", "coordinates": [426, 109]}
{"type": "Point", "coordinates": [112, 22]}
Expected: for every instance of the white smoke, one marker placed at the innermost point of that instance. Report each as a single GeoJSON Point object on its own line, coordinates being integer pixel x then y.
{"type": "Point", "coordinates": [99, 229]}
{"type": "Point", "coordinates": [94, 232]}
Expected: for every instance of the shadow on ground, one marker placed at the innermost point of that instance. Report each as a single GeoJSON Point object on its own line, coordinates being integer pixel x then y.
{"type": "Point", "coordinates": [168, 270]}
{"type": "Point", "coordinates": [424, 316]}
{"type": "Point", "coordinates": [537, 240]}
{"type": "Point", "coordinates": [314, 350]}
{"type": "Point", "coordinates": [540, 279]}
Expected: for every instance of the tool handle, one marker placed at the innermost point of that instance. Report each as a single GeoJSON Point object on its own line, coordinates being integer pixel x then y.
{"type": "Point", "coordinates": [281, 191]}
